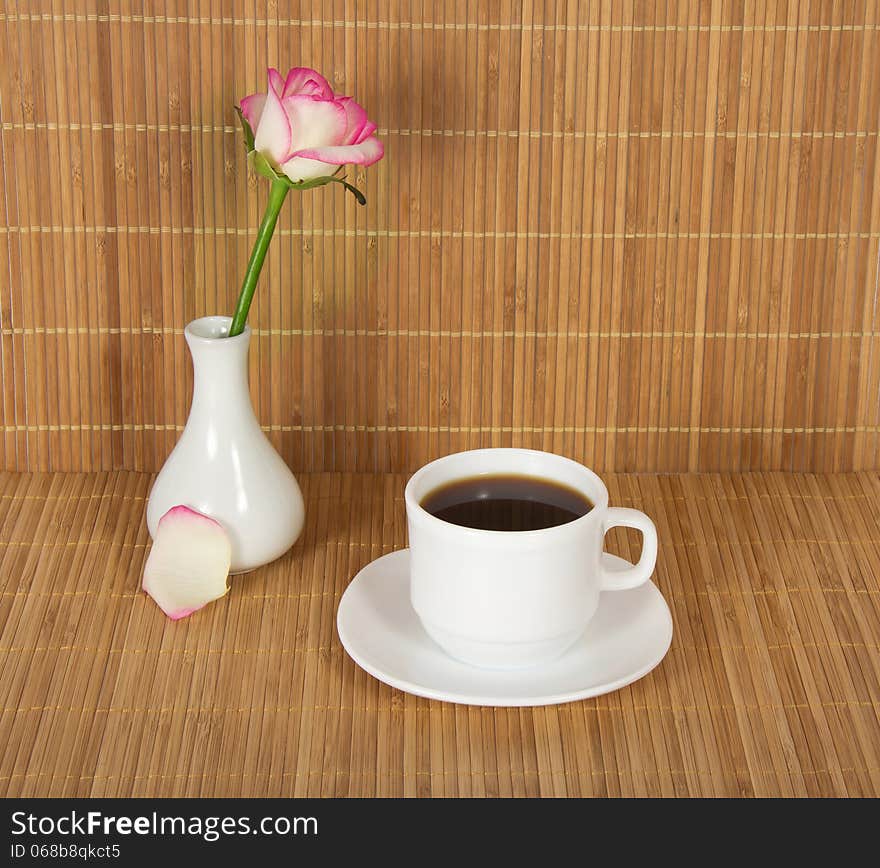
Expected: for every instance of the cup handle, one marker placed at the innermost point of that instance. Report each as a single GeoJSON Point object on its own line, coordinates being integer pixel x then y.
{"type": "Point", "coordinates": [630, 577]}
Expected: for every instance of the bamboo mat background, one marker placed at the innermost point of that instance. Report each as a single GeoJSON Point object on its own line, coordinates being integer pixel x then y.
{"type": "Point", "coordinates": [643, 234]}
{"type": "Point", "coordinates": [771, 686]}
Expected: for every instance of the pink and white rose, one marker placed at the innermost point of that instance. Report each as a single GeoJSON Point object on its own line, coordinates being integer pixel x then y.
{"type": "Point", "coordinates": [305, 131]}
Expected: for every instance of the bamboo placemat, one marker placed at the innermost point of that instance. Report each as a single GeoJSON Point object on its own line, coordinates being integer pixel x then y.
{"type": "Point", "coordinates": [642, 234]}
{"type": "Point", "coordinates": [771, 687]}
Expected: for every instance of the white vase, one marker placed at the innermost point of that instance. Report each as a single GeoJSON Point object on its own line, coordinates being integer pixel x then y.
{"type": "Point", "coordinates": [224, 465]}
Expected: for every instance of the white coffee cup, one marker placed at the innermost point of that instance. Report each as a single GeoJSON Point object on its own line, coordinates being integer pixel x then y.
{"type": "Point", "coordinates": [509, 599]}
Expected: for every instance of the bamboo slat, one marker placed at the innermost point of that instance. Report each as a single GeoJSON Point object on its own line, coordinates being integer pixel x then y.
{"type": "Point", "coordinates": [771, 687]}
{"type": "Point", "coordinates": [645, 235]}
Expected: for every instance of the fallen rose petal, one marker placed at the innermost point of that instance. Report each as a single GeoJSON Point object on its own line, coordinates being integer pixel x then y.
{"type": "Point", "coordinates": [188, 563]}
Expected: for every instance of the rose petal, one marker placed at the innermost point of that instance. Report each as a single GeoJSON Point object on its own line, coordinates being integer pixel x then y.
{"type": "Point", "coordinates": [366, 132]}
{"type": "Point", "coordinates": [188, 562]}
{"type": "Point", "coordinates": [314, 122]}
{"type": "Point", "coordinates": [364, 154]}
{"type": "Point", "coordinates": [252, 109]}
{"type": "Point", "coordinates": [302, 80]}
{"type": "Point", "coordinates": [298, 169]}
{"type": "Point", "coordinates": [356, 119]}
{"type": "Point", "coordinates": [276, 82]}
{"type": "Point", "coordinates": [272, 139]}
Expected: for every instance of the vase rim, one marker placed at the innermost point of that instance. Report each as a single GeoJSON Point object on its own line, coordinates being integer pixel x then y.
{"type": "Point", "coordinates": [214, 329]}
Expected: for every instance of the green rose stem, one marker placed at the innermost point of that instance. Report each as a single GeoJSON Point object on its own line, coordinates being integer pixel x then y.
{"type": "Point", "coordinates": [277, 195]}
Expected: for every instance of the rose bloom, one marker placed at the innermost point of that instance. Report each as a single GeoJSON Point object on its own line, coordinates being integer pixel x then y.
{"type": "Point", "coordinates": [305, 130]}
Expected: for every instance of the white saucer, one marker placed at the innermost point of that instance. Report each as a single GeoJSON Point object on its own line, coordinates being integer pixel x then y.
{"type": "Point", "coordinates": [626, 638]}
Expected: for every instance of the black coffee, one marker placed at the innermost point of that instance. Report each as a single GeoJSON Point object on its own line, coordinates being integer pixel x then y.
{"type": "Point", "coordinates": [506, 502]}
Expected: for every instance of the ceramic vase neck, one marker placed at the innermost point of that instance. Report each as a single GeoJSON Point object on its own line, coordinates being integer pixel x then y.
{"type": "Point", "coordinates": [220, 369]}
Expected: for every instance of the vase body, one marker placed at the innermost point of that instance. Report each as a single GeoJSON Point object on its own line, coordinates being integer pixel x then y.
{"type": "Point", "coordinates": [224, 465]}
